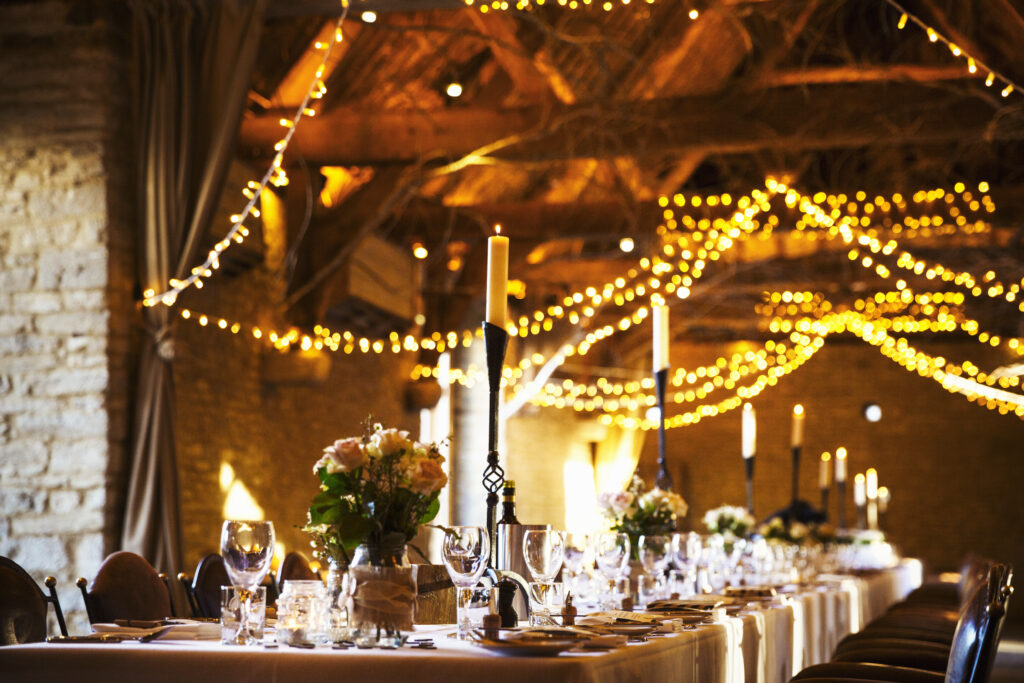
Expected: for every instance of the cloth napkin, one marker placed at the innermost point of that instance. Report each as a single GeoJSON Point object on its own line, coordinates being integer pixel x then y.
{"type": "Point", "coordinates": [185, 629]}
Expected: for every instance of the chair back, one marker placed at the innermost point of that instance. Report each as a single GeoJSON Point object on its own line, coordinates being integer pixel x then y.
{"type": "Point", "coordinates": [295, 567]}
{"type": "Point", "coordinates": [210, 576]}
{"type": "Point", "coordinates": [977, 634]}
{"type": "Point", "coordinates": [23, 605]}
{"type": "Point", "coordinates": [126, 587]}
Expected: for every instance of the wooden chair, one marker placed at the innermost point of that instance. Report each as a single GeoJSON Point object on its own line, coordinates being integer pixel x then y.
{"type": "Point", "coordinates": [209, 577]}
{"type": "Point", "coordinates": [970, 656]}
{"type": "Point", "coordinates": [126, 587]}
{"type": "Point", "coordinates": [294, 567]}
{"type": "Point", "coordinates": [23, 605]}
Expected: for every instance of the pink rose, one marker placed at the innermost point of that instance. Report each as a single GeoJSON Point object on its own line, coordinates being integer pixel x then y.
{"type": "Point", "coordinates": [427, 477]}
{"type": "Point", "coordinates": [616, 503]}
{"type": "Point", "coordinates": [344, 455]}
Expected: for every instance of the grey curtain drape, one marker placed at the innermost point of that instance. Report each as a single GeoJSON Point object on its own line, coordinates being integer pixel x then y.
{"type": "Point", "coordinates": [192, 63]}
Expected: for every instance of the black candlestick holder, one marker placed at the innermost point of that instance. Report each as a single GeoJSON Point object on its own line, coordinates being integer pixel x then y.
{"type": "Point", "coordinates": [841, 503]}
{"type": "Point", "coordinates": [796, 474]}
{"type": "Point", "coordinates": [749, 464]}
{"type": "Point", "coordinates": [495, 346]}
{"type": "Point", "coordinates": [824, 502]}
{"type": "Point", "coordinates": [664, 479]}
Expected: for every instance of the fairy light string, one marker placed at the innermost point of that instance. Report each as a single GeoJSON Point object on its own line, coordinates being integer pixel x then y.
{"type": "Point", "coordinates": [971, 63]}
{"type": "Point", "coordinates": [254, 189]}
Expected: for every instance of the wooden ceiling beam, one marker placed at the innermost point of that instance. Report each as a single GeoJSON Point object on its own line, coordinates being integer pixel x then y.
{"type": "Point", "coordinates": [787, 119]}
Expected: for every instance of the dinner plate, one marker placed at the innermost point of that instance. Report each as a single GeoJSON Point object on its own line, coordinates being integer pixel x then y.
{"type": "Point", "coordinates": [528, 647]}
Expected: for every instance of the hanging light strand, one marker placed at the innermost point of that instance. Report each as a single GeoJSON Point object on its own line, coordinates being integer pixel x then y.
{"type": "Point", "coordinates": [254, 189]}
{"type": "Point", "coordinates": [971, 63]}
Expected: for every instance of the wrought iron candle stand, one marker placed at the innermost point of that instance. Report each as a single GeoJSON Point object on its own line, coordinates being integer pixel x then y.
{"type": "Point", "coordinates": [824, 501]}
{"type": "Point", "coordinates": [841, 494]}
{"type": "Point", "coordinates": [796, 475]}
{"type": "Point", "coordinates": [495, 345]}
{"type": "Point", "coordinates": [664, 479]}
{"type": "Point", "coordinates": [749, 464]}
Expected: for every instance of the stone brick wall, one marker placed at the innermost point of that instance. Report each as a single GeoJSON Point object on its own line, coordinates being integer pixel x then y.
{"type": "Point", "coordinates": [63, 366]}
{"type": "Point", "coordinates": [270, 434]}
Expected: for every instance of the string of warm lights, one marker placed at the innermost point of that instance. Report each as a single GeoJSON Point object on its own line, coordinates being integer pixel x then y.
{"type": "Point", "coordinates": [254, 189]}
{"type": "Point", "coordinates": [523, 5]}
{"type": "Point", "coordinates": [972, 63]}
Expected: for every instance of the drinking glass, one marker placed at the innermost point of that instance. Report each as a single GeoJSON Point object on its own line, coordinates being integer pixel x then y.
{"type": "Point", "coordinates": [247, 547]}
{"type": "Point", "coordinates": [648, 589]}
{"type": "Point", "coordinates": [655, 551]}
{"type": "Point", "coordinates": [465, 552]}
{"type": "Point", "coordinates": [686, 550]}
{"type": "Point", "coordinates": [543, 551]}
{"type": "Point", "coordinates": [576, 558]}
{"type": "Point", "coordinates": [612, 554]}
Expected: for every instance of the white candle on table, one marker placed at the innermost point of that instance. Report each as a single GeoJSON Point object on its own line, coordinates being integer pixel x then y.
{"type": "Point", "coordinates": [840, 465]}
{"type": "Point", "coordinates": [659, 323]}
{"type": "Point", "coordinates": [749, 431]}
{"type": "Point", "coordinates": [859, 492]}
{"type": "Point", "coordinates": [797, 435]}
{"type": "Point", "coordinates": [883, 498]}
{"type": "Point", "coordinates": [497, 278]}
{"type": "Point", "coordinates": [871, 484]}
{"type": "Point", "coordinates": [823, 469]}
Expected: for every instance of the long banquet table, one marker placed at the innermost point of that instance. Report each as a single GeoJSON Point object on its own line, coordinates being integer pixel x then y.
{"type": "Point", "coordinates": [758, 645]}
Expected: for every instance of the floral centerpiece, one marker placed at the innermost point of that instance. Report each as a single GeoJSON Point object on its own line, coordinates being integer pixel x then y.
{"type": "Point", "coordinates": [638, 512]}
{"type": "Point", "coordinates": [792, 531]}
{"type": "Point", "coordinates": [729, 520]}
{"type": "Point", "coordinates": [375, 492]}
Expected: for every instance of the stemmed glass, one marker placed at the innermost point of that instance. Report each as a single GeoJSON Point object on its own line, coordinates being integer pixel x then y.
{"type": "Point", "coordinates": [686, 550]}
{"type": "Point", "coordinates": [247, 548]}
{"type": "Point", "coordinates": [577, 556]}
{"type": "Point", "coordinates": [655, 552]}
{"type": "Point", "coordinates": [612, 554]}
{"type": "Point", "coordinates": [465, 552]}
{"type": "Point", "coordinates": [543, 551]}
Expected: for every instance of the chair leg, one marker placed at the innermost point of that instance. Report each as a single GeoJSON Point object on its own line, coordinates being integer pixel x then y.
{"type": "Point", "coordinates": [51, 584]}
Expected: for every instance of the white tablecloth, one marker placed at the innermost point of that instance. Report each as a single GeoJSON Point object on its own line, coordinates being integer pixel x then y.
{"type": "Point", "coordinates": [764, 645]}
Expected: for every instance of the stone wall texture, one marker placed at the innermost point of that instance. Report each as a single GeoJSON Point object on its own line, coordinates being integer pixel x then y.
{"type": "Point", "coordinates": [64, 370]}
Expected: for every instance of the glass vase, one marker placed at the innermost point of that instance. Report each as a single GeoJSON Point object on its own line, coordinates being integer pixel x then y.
{"type": "Point", "coordinates": [339, 588]}
{"type": "Point", "coordinates": [383, 585]}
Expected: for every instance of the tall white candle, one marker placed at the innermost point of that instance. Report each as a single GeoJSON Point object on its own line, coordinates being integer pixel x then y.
{"type": "Point", "coordinates": [659, 323]}
{"type": "Point", "coordinates": [871, 484]}
{"type": "Point", "coordinates": [883, 498]}
{"type": "Point", "coordinates": [859, 493]}
{"type": "Point", "coordinates": [497, 278]}
{"type": "Point", "coordinates": [749, 431]}
{"type": "Point", "coordinates": [823, 470]}
{"type": "Point", "coordinates": [797, 435]}
{"type": "Point", "coordinates": [840, 465]}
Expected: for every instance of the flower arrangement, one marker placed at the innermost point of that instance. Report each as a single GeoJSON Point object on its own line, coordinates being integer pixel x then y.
{"type": "Point", "coordinates": [638, 512]}
{"type": "Point", "coordinates": [374, 490]}
{"type": "Point", "coordinates": [792, 531]}
{"type": "Point", "coordinates": [729, 519]}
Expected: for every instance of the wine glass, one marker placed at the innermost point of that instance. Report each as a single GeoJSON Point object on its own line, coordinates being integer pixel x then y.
{"type": "Point", "coordinates": [543, 551]}
{"type": "Point", "coordinates": [465, 552]}
{"type": "Point", "coordinates": [612, 552]}
{"type": "Point", "coordinates": [247, 547]}
{"type": "Point", "coordinates": [577, 557]}
{"type": "Point", "coordinates": [686, 550]}
{"type": "Point", "coordinates": [655, 551]}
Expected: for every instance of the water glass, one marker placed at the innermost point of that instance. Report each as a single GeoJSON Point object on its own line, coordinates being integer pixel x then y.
{"type": "Point", "coordinates": [649, 588]}
{"type": "Point", "coordinates": [243, 615]}
{"type": "Point", "coordinates": [465, 552]}
{"type": "Point", "coordinates": [546, 598]}
{"type": "Point", "coordinates": [655, 552]}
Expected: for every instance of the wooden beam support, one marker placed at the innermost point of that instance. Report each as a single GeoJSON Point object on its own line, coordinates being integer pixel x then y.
{"type": "Point", "coordinates": [787, 119]}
